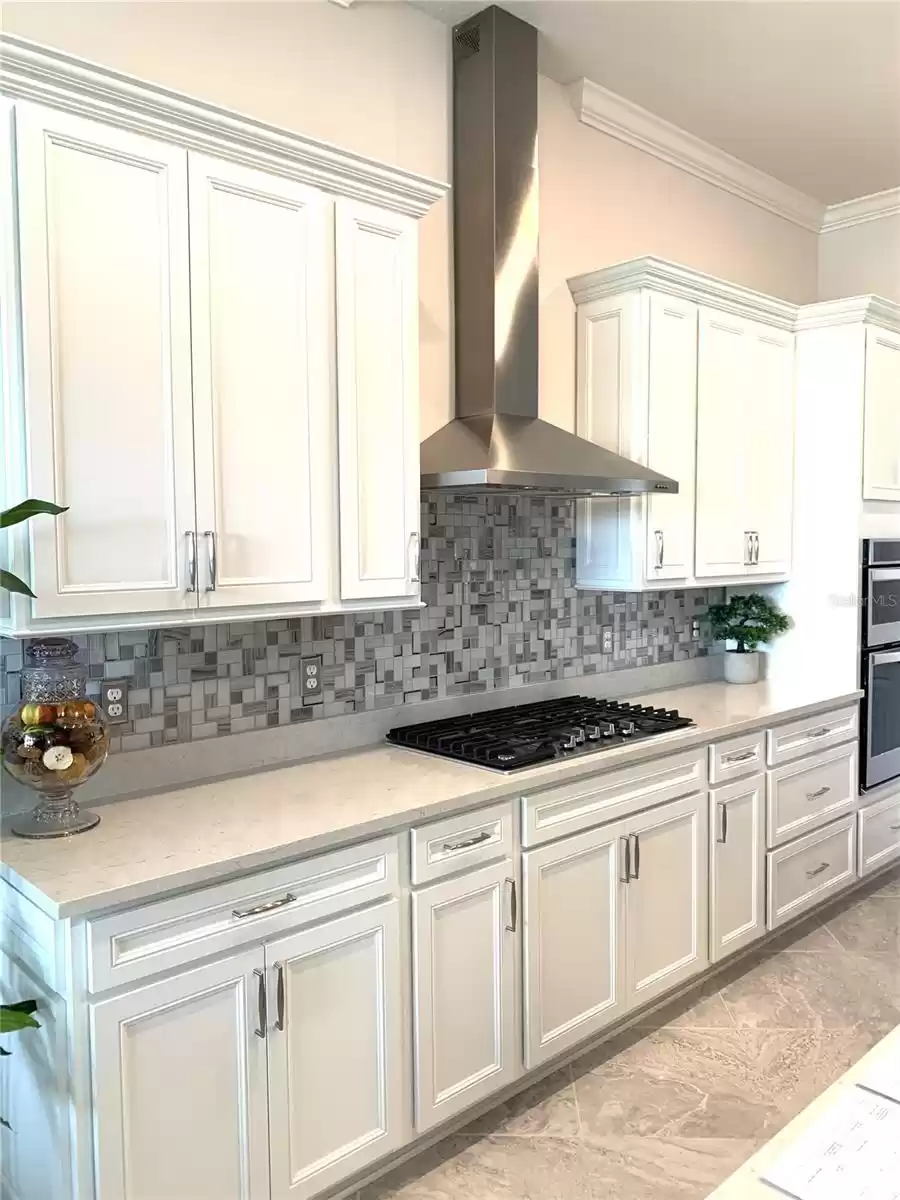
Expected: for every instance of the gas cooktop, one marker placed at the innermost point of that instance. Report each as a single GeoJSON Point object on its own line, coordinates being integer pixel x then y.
{"type": "Point", "coordinates": [507, 739]}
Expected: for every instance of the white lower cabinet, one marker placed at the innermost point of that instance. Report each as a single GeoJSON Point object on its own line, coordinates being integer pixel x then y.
{"type": "Point", "coordinates": [666, 906]}
{"type": "Point", "coordinates": [179, 1081]}
{"type": "Point", "coordinates": [573, 909]}
{"type": "Point", "coordinates": [737, 866]}
{"type": "Point", "coordinates": [336, 1074]}
{"type": "Point", "coordinates": [463, 991]}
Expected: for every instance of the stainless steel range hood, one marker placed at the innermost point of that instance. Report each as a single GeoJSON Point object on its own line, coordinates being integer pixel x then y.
{"type": "Point", "coordinates": [497, 442]}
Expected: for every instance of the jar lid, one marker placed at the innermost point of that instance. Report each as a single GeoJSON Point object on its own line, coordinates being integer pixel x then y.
{"type": "Point", "coordinates": [49, 650]}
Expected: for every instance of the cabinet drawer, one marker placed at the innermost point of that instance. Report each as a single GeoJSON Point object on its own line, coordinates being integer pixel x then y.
{"type": "Point", "coordinates": [469, 839]}
{"type": "Point", "coordinates": [169, 933]}
{"type": "Point", "coordinates": [737, 757]}
{"type": "Point", "coordinates": [558, 811]}
{"type": "Point", "coordinates": [805, 872]}
{"type": "Point", "coordinates": [811, 734]}
{"type": "Point", "coordinates": [803, 795]}
{"type": "Point", "coordinates": [879, 834]}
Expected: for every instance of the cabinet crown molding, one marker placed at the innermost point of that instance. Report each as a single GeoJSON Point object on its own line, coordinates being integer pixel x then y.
{"type": "Point", "coordinates": [30, 71]}
{"type": "Point", "coordinates": [851, 311]}
{"type": "Point", "coordinates": [861, 210]}
{"type": "Point", "coordinates": [672, 279]}
{"type": "Point", "coordinates": [630, 123]}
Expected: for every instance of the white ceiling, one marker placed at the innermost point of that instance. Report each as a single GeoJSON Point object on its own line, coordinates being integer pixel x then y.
{"type": "Point", "coordinates": [806, 90]}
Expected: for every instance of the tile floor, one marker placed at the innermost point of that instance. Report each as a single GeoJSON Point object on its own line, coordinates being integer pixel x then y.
{"type": "Point", "coordinates": [668, 1110]}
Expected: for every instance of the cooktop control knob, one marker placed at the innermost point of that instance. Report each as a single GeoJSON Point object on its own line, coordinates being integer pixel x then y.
{"type": "Point", "coordinates": [592, 732]}
{"type": "Point", "coordinates": [626, 728]}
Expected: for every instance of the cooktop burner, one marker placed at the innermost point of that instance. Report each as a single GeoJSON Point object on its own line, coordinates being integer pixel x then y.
{"type": "Point", "coordinates": [507, 739]}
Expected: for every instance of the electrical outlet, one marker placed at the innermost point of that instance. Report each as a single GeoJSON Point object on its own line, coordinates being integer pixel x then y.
{"type": "Point", "coordinates": [695, 629]}
{"type": "Point", "coordinates": [114, 700]}
{"type": "Point", "coordinates": [606, 639]}
{"type": "Point", "coordinates": [311, 678]}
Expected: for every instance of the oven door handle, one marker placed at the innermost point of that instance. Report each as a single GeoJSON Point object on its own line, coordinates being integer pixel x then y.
{"type": "Point", "coordinates": [883, 657]}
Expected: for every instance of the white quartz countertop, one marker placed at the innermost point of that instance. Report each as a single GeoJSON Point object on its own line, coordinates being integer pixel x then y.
{"type": "Point", "coordinates": [161, 842]}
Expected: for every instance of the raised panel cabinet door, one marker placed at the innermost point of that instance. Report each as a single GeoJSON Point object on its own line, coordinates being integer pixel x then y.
{"type": "Point", "coordinates": [103, 218]}
{"type": "Point", "coordinates": [721, 548]}
{"type": "Point", "coordinates": [672, 436]}
{"type": "Point", "coordinates": [767, 437]}
{"type": "Point", "coordinates": [881, 456]}
{"type": "Point", "coordinates": [179, 1078]}
{"type": "Point", "coordinates": [262, 320]}
{"type": "Point", "coordinates": [378, 401]}
{"type": "Point", "coordinates": [336, 1058]}
{"type": "Point", "coordinates": [463, 991]}
{"type": "Point", "coordinates": [667, 897]}
{"type": "Point", "coordinates": [737, 866]}
{"type": "Point", "coordinates": [572, 910]}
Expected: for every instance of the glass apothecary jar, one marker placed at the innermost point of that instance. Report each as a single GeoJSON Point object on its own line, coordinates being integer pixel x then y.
{"type": "Point", "coordinates": [55, 740]}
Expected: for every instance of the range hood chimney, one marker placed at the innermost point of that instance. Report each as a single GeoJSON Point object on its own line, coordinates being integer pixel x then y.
{"type": "Point", "coordinates": [497, 442]}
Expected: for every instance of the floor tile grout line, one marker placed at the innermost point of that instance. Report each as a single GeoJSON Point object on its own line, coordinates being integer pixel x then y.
{"type": "Point", "coordinates": [579, 1122]}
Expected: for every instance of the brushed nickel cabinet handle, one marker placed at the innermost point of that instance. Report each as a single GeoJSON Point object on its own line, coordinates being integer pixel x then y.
{"type": "Point", "coordinates": [755, 549]}
{"type": "Point", "coordinates": [260, 1030]}
{"type": "Point", "coordinates": [279, 996]}
{"type": "Point", "coordinates": [624, 860]}
{"type": "Point", "coordinates": [660, 547]}
{"type": "Point", "coordinates": [818, 793]}
{"type": "Point", "coordinates": [722, 811]}
{"type": "Point", "coordinates": [210, 536]}
{"type": "Point", "coordinates": [635, 855]}
{"type": "Point", "coordinates": [414, 557]}
{"type": "Point", "coordinates": [748, 548]}
{"type": "Point", "coordinates": [820, 732]}
{"type": "Point", "coordinates": [895, 828]}
{"type": "Point", "coordinates": [467, 843]}
{"type": "Point", "coordinates": [744, 756]}
{"type": "Point", "coordinates": [240, 913]}
{"type": "Point", "coordinates": [513, 921]}
{"type": "Point", "coordinates": [192, 560]}
{"type": "Point", "coordinates": [817, 870]}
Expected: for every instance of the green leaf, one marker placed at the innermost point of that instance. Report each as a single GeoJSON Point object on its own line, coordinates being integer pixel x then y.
{"type": "Point", "coordinates": [4, 1053]}
{"type": "Point", "coordinates": [28, 508]}
{"type": "Point", "coordinates": [14, 1017]}
{"type": "Point", "coordinates": [5, 1123]}
{"type": "Point", "coordinates": [12, 583]}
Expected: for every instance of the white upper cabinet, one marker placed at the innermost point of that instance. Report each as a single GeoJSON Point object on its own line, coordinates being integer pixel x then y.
{"type": "Point", "coordinates": [262, 338]}
{"type": "Point", "coordinates": [767, 435]}
{"type": "Point", "coordinates": [103, 221]}
{"type": "Point", "coordinates": [378, 388]}
{"type": "Point", "coordinates": [637, 365]}
{"type": "Point", "coordinates": [881, 456]}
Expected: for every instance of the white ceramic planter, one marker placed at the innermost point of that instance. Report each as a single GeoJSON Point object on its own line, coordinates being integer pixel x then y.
{"type": "Point", "coordinates": [742, 668]}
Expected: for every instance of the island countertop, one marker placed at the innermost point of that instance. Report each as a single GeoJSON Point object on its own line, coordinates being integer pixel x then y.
{"type": "Point", "coordinates": [165, 841]}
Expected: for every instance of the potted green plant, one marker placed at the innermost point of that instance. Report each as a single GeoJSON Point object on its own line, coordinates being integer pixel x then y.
{"type": "Point", "coordinates": [747, 621]}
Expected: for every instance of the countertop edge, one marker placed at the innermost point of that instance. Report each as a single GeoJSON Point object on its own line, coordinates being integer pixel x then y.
{"type": "Point", "coordinates": [506, 787]}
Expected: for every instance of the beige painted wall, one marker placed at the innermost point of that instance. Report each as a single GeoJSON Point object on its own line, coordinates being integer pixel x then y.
{"type": "Point", "coordinates": [861, 259]}
{"type": "Point", "coordinates": [376, 78]}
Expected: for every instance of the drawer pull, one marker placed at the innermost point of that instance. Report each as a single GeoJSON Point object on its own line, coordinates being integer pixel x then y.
{"type": "Point", "coordinates": [822, 731]}
{"type": "Point", "coordinates": [823, 866]}
{"type": "Point", "coordinates": [723, 824]}
{"type": "Point", "coordinates": [512, 923]}
{"type": "Point", "coordinates": [895, 828]}
{"type": "Point", "coordinates": [260, 1029]}
{"type": "Point", "coordinates": [818, 793]}
{"type": "Point", "coordinates": [467, 843]}
{"type": "Point", "coordinates": [240, 913]}
{"type": "Point", "coordinates": [744, 756]}
{"type": "Point", "coordinates": [279, 996]}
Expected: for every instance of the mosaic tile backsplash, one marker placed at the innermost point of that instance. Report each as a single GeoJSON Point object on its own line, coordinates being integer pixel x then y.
{"type": "Point", "coordinates": [498, 581]}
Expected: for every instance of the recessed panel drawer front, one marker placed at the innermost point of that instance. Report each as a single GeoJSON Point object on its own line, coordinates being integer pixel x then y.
{"type": "Point", "coordinates": [806, 794]}
{"type": "Point", "coordinates": [556, 812]}
{"type": "Point", "coordinates": [155, 937]}
{"type": "Point", "coordinates": [805, 872]}
{"type": "Point", "coordinates": [811, 734]}
{"type": "Point", "coordinates": [737, 757]}
{"type": "Point", "coordinates": [879, 834]}
{"type": "Point", "coordinates": [458, 843]}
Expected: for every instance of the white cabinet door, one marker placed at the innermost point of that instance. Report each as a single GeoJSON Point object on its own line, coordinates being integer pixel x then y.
{"type": "Point", "coordinates": [666, 898]}
{"type": "Point", "coordinates": [573, 905]}
{"type": "Point", "coordinates": [179, 1078]}
{"type": "Point", "coordinates": [378, 402]}
{"type": "Point", "coordinates": [721, 534]}
{"type": "Point", "coordinates": [767, 437]}
{"type": "Point", "coordinates": [463, 991]}
{"type": "Point", "coordinates": [737, 866]}
{"type": "Point", "coordinates": [336, 1069]}
{"type": "Point", "coordinates": [672, 436]}
{"type": "Point", "coordinates": [881, 458]}
{"type": "Point", "coordinates": [107, 364]}
{"type": "Point", "coordinates": [262, 322]}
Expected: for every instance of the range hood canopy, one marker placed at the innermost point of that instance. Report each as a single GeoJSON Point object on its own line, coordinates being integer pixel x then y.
{"type": "Point", "coordinates": [497, 442]}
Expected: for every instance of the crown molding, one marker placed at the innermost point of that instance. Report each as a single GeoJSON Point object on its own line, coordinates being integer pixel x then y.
{"type": "Point", "coordinates": [861, 210]}
{"type": "Point", "coordinates": [29, 71]}
{"type": "Point", "coordinates": [854, 310]}
{"type": "Point", "coordinates": [671, 279]}
{"type": "Point", "coordinates": [628, 122]}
